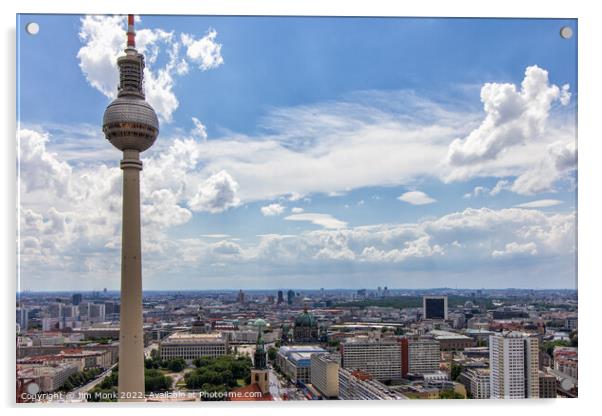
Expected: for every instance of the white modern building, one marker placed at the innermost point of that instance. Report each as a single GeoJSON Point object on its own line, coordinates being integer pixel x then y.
{"type": "Point", "coordinates": [379, 357]}
{"type": "Point", "coordinates": [325, 374]}
{"type": "Point", "coordinates": [424, 355]}
{"type": "Point", "coordinates": [191, 346]}
{"type": "Point", "coordinates": [480, 382]}
{"type": "Point", "coordinates": [514, 362]}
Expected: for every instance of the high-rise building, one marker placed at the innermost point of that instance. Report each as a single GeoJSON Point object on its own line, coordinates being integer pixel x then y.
{"type": "Point", "coordinates": [280, 297]}
{"type": "Point", "coordinates": [132, 126]}
{"type": "Point", "coordinates": [96, 312]}
{"type": "Point", "coordinates": [434, 307]}
{"type": "Point", "coordinates": [325, 374]}
{"type": "Point", "coordinates": [22, 318]}
{"type": "Point", "coordinates": [55, 310]}
{"type": "Point", "coordinates": [290, 297]}
{"type": "Point", "coordinates": [382, 358]}
{"type": "Point", "coordinates": [76, 299]}
{"type": "Point", "coordinates": [240, 298]}
{"type": "Point", "coordinates": [514, 365]}
{"type": "Point", "coordinates": [424, 355]}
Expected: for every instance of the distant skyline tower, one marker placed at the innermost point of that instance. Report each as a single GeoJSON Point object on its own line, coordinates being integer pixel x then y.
{"type": "Point", "coordinates": [131, 125]}
{"type": "Point", "coordinates": [280, 297]}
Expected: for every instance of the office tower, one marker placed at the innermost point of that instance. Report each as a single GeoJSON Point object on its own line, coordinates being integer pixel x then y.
{"type": "Point", "coordinates": [514, 362]}
{"type": "Point", "coordinates": [76, 299]}
{"type": "Point", "coordinates": [434, 307]}
{"type": "Point", "coordinates": [131, 125]}
{"type": "Point", "coordinates": [381, 358]}
{"type": "Point", "coordinates": [241, 297]}
{"type": "Point", "coordinates": [424, 355]}
{"type": "Point", "coordinates": [325, 373]}
{"type": "Point", "coordinates": [290, 297]}
{"type": "Point", "coordinates": [97, 312]}
{"type": "Point", "coordinates": [55, 310]}
{"type": "Point", "coordinates": [280, 297]}
{"type": "Point", "coordinates": [22, 318]}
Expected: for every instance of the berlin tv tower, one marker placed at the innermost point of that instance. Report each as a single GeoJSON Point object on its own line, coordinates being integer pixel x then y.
{"type": "Point", "coordinates": [131, 125]}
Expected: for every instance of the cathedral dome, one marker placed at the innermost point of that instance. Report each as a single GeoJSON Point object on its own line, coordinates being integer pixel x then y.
{"type": "Point", "coordinates": [306, 319]}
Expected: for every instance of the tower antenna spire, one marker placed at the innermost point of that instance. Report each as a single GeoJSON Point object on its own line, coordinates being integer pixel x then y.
{"type": "Point", "coordinates": [131, 32]}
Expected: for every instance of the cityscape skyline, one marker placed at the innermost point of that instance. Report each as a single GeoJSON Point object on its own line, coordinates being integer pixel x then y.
{"type": "Point", "coordinates": [335, 209]}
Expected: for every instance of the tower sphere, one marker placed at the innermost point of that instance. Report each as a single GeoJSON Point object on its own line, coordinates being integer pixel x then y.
{"type": "Point", "coordinates": [130, 123]}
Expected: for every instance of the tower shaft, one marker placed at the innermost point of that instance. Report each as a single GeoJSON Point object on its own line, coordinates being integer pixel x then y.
{"type": "Point", "coordinates": [131, 336]}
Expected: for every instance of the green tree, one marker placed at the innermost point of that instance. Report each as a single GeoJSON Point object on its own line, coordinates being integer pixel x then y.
{"type": "Point", "coordinates": [455, 371]}
{"type": "Point", "coordinates": [176, 365]}
{"type": "Point", "coordinates": [450, 394]}
{"type": "Point", "coordinates": [272, 352]}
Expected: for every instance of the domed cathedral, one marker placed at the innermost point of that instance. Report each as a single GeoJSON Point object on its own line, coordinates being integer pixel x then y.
{"type": "Point", "coordinates": [199, 326]}
{"type": "Point", "coordinates": [306, 327]}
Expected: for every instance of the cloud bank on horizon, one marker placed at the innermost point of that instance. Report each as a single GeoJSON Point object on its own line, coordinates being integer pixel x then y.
{"type": "Point", "coordinates": [407, 147]}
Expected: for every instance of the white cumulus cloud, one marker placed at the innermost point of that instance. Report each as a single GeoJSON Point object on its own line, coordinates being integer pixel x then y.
{"type": "Point", "coordinates": [512, 117]}
{"type": "Point", "coordinates": [516, 250]}
{"type": "Point", "coordinates": [104, 38]}
{"type": "Point", "coordinates": [205, 52]}
{"type": "Point", "coordinates": [416, 198]}
{"type": "Point", "coordinates": [215, 194]}
{"type": "Point", "coordinates": [272, 210]}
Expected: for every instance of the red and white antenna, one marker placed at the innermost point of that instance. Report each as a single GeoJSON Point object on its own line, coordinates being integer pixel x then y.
{"type": "Point", "coordinates": [131, 32]}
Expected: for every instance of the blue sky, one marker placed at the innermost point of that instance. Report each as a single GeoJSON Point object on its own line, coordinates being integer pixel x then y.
{"type": "Point", "coordinates": [332, 152]}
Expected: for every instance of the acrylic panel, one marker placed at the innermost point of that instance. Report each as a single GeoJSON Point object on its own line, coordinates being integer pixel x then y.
{"type": "Point", "coordinates": [280, 208]}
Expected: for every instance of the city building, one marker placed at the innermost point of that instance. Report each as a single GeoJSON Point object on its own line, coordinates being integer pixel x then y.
{"type": "Point", "coordinates": [434, 307]}
{"type": "Point", "coordinates": [570, 323]}
{"type": "Point", "coordinates": [325, 374]}
{"type": "Point", "coordinates": [478, 382]}
{"type": "Point", "coordinates": [22, 318]}
{"type": "Point", "coordinates": [452, 341]}
{"type": "Point", "coordinates": [294, 361]}
{"type": "Point", "coordinates": [191, 346]}
{"type": "Point", "coordinates": [547, 386]}
{"type": "Point", "coordinates": [240, 298]}
{"type": "Point", "coordinates": [359, 385]}
{"type": "Point", "coordinates": [566, 361]}
{"type": "Point", "coordinates": [96, 312]}
{"type": "Point", "coordinates": [280, 297]}
{"type": "Point", "coordinates": [290, 297]}
{"type": "Point", "coordinates": [306, 328]}
{"type": "Point", "coordinates": [76, 299]}
{"type": "Point", "coordinates": [514, 364]}
{"type": "Point", "coordinates": [49, 378]}
{"type": "Point", "coordinates": [424, 355]}
{"type": "Point", "coordinates": [382, 358]}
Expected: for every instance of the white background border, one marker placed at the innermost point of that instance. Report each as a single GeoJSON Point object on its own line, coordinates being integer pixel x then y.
{"type": "Point", "coordinates": [589, 207]}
